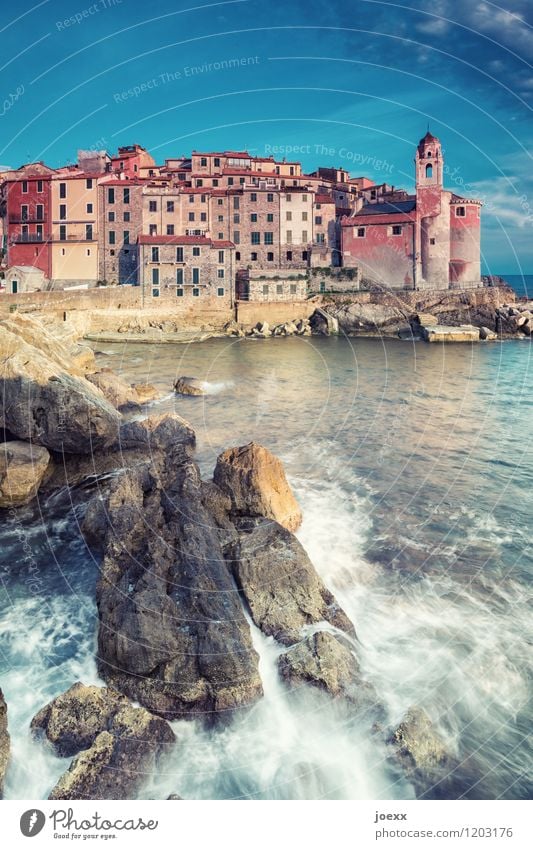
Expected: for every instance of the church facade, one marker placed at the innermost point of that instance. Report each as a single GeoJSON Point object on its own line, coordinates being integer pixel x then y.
{"type": "Point", "coordinates": [429, 240]}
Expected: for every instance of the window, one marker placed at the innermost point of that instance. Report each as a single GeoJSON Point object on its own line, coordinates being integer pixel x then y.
{"type": "Point", "coordinates": [215, 183]}
{"type": "Point", "coordinates": [230, 181]}
{"type": "Point", "coordinates": [289, 255]}
{"type": "Point", "coordinates": [155, 254]}
{"type": "Point", "coordinates": [220, 218]}
{"type": "Point", "coordinates": [304, 256]}
{"type": "Point", "coordinates": [220, 291]}
{"type": "Point", "coordinates": [429, 170]}
{"type": "Point", "coordinates": [270, 217]}
{"type": "Point", "coordinates": [196, 293]}
{"type": "Point", "coordinates": [270, 198]}
{"type": "Point", "coordinates": [203, 216]}
{"type": "Point", "coordinates": [203, 198]}
{"type": "Point", "coordinates": [62, 233]}
{"type": "Point", "coordinates": [460, 211]}
{"type": "Point", "coordinates": [220, 201]}
{"type": "Point", "coordinates": [191, 198]}
{"type": "Point", "coordinates": [288, 198]}
{"type": "Point", "coordinates": [196, 275]}
{"type": "Point", "coordinates": [89, 208]}
{"type": "Point", "coordinates": [269, 238]}
{"type": "Point", "coordinates": [199, 184]}
{"type": "Point", "coordinates": [253, 256]}
{"type": "Point", "coordinates": [24, 212]}
{"type": "Point", "coordinates": [152, 206]}
{"type": "Point", "coordinates": [304, 235]}
{"type": "Point", "coordinates": [255, 237]}
{"type": "Point", "coordinates": [288, 216]}
{"type": "Point", "coordinates": [126, 237]}
{"type": "Point", "coordinates": [236, 237]}
{"type": "Point", "coordinates": [270, 257]}
{"type": "Point", "coordinates": [236, 203]}
{"type": "Point", "coordinates": [279, 289]}
{"type": "Point", "coordinates": [304, 216]}
{"type": "Point", "coordinates": [25, 230]}
{"type": "Point", "coordinates": [253, 197]}
{"type": "Point", "coordinates": [111, 237]}
{"type": "Point", "coordinates": [62, 190]}
{"type": "Point", "coordinates": [39, 186]}
{"type": "Point", "coordinates": [24, 187]}
{"type": "Point", "coordinates": [361, 232]}
{"type": "Point", "coordinates": [221, 236]}
{"type": "Point", "coordinates": [126, 196]}
{"type": "Point", "coordinates": [155, 276]}
{"type": "Point", "coordinates": [88, 184]}
{"type": "Point", "coordinates": [236, 218]}
{"type": "Point", "coordinates": [322, 286]}
{"type": "Point", "coordinates": [221, 256]}
{"type": "Point", "coordinates": [220, 273]}
{"type": "Point", "coordinates": [432, 241]}
{"type": "Point", "coordinates": [320, 238]}
{"type": "Point", "coordinates": [289, 237]}
{"type": "Point", "coordinates": [191, 216]}
{"type": "Point", "coordinates": [196, 251]}
{"type": "Point", "coordinates": [153, 229]}
{"type": "Point", "coordinates": [253, 217]}
{"type": "Point", "coordinates": [265, 288]}
{"type": "Point", "coordinates": [179, 276]}
{"type": "Point", "coordinates": [203, 162]}
{"type": "Point", "coordinates": [304, 198]}
{"type": "Point", "coordinates": [89, 232]}
{"type": "Point", "coordinates": [293, 288]}
{"type": "Point", "coordinates": [39, 231]}
{"type": "Point", "coordinates": [396, 229]}
{"type": "Point", "coordinates": [155, 293]}
{"type": "Point", "coordinates": [238, 256]}
{"type": "Point", "coordinates": [170, 229]}
{"type": "Point", "coordinates": [111, 216]}
{"type": "Point", "coordinates": [62, 211]}
{"type": "Point", "coordinates": [318, 220]}
{"type": "Point", "coordinates": [216, 162]}
{"type": "Point", "coordinates": [111, 196]}
{"type": "Point", "coordinates": [179, 293]}
{"type": "Point", "coordinates": [14, 287]}
{"type": "Point", "coordinates": [179, 254]}
{"type": "Point", "coordinates": [170, 206]}
{"type": "Point", "coordinates": [112, 253]}
{"type": "Point", "coordinates": [241, 180]}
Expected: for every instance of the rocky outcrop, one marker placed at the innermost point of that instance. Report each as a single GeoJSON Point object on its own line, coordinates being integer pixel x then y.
{"type": "Point", "coordinates": [22, 468]}
{"type": "Point", "coordinates": [44, 403]}
{"type": "Point", "coordinates": [5, 743]}
{"type": "Point", "coordinates": [120, 394]}
{"type": "Point", "coordinates": [53, 341]}
{"type": "Point", "coordinates": [280, 584]}
{"type": "Point", "coordinates": [420, 751]}
{"type": "Point", "coordinates": [73, 720]}
{"type": "Point", "coordinates": [326, 662]}
{"type": "Point", "coordinates": [190, 386]}
{"type": "Point", "coordinates": [324, 323]}
{"type": "Point", "coordinates": [255, 481]}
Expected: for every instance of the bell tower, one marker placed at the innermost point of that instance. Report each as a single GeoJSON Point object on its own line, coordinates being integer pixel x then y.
{"type": "Point", "coordinates": [429, 163]}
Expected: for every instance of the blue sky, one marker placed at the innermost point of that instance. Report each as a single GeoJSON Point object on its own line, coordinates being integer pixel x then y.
{"type": "Point", "coordinates": [351, 83]}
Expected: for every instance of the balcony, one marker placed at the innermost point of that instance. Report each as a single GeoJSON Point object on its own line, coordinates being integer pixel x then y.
{"type": "Point", "coordinates": [28, 238]}
{"type": "Point", "coordinates": [30, 218]}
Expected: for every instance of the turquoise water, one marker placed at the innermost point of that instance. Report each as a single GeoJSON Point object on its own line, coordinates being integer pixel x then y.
{"type": "Point", "coordinates": [413, 467]}
{"type": "Point", "coordinates": [521, 283]}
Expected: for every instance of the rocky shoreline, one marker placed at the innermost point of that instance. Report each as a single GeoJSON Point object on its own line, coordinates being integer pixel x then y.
{"type": "Point", "coordinates": [185, 564]}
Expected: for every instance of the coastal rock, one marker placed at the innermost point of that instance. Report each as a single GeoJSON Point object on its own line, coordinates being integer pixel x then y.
{"type": "Point", "coordinates": [173, 634]}
{"type": "Point", "coordinates": [166, 432]}
{"type": "Point", "coordinates": [53, 341]}
{"type": "Point", "coordinates": [190, 386]}
{"type": "Point", "coordinates": [72, 721]}
{"type": "Point", "coordinates": [120, 394]}
{"type": "Point", "coordinates": [43, 403]}
{"type": "Point", "coordinates": [255, 481]}
{"type": "Point", "coordinates": [486, 334]}
{"type": "Point", "coordinates": [280, 584]}
{"type": "Point", "coordinates": [368, 318]}
{"type": "Point", "coordinates": [5, 743]}
{"type": "Point", "coordinates": [420, 751]}
{"type": "Point", "coordinates": [22, 468]}
{"type": "Point", "coordinates": [323, 661]}
{"type": "Point", "coordinates": [119, 760]}
{"type": "Point", "coordinates": [425, 318]}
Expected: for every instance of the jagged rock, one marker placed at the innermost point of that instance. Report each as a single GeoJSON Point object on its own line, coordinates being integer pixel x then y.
{"type": "Point", "coordinates": [52, 340]}
{"type": "Point", "coordinates": [145, 392]}
{"type": "Point", "coordinates": [420, 751]}
{"type": "Point", "coordinates": [425, 318]}
{"type": "Point", "coordinates": [280, 584]}
{"type": "Point", "coordinates": [119, 393]}
{"type": "Point", "coordinates": [118, 761]}
{"type": "Point", "coordinates": [255, 481]}
{"type": "Point", "coordinates": [72, 721]}
{"type": "Point", "coordinates": [161, 432]}
{"type": "Point", "coordinates": [43, 403]}
{"type": "Point", "coordinates": [486, 334]}
{"type": "Point", "coordinates": [22, 468]}
{"type": "Point", "coordinates": [325, 662]}
{"type": "Point", "coordinates": [190, 386]}
{"type": "Point", "coordinates": [5, 743]}
{"type": "Point", "coordinates": [173, 634]}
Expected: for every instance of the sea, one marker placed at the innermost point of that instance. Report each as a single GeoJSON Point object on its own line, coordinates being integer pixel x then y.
{"type": "Point", "coordinates": [413, 466]}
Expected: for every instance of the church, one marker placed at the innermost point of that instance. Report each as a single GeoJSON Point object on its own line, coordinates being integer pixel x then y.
{"type": "Point", "coordinates": [429, 240]}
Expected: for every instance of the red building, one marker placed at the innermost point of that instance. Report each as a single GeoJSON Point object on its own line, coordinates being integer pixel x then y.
{"type": "Point", "coordinates": [429, 240]}
{"type": "Point", "coordinates": [26, 210]}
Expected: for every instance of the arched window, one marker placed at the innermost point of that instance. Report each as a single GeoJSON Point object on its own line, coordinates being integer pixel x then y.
{"type": "Point", "coordinates": [429, 170]}
{"type": "Point", "coordinates": [429, 154]}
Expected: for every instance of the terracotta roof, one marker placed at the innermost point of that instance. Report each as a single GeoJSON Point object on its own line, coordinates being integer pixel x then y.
{"type": "Point", "coordinates": [323, 199]}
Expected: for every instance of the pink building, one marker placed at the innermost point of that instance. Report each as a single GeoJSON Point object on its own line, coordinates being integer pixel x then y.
{"type": "Point", "coordinates": [429, 240]}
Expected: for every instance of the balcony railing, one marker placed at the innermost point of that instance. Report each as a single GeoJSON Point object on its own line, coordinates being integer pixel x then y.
{"type": "Point", "coordinates": [30, 218]}
{"type": "Point", "coordinates": [28, 237]}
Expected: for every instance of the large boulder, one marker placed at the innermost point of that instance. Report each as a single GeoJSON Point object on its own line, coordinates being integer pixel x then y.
{"type": "Point", "coordinates": [190, 386]}
{"type": "Point", "coordinates": [73, 720]}
{"type": "Point", "coordinates": [255, 481]}
{"type": "Point", "coordinates": [120, 394]}
{"type": "Point", "coordinates": [5, 744]}
{"type": "Point", "coordinates": [119, 760]}
{"type": "Point", "coordinates": [43, 403]}
{"type": "Point", "coordinates": [280, 584]}
{"type": "Point", "coordinates": [53, 341]}
{"type": "Point", "coordinates": [422, 754]}
{"type": "Point", "coordinates": [22, 468]}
